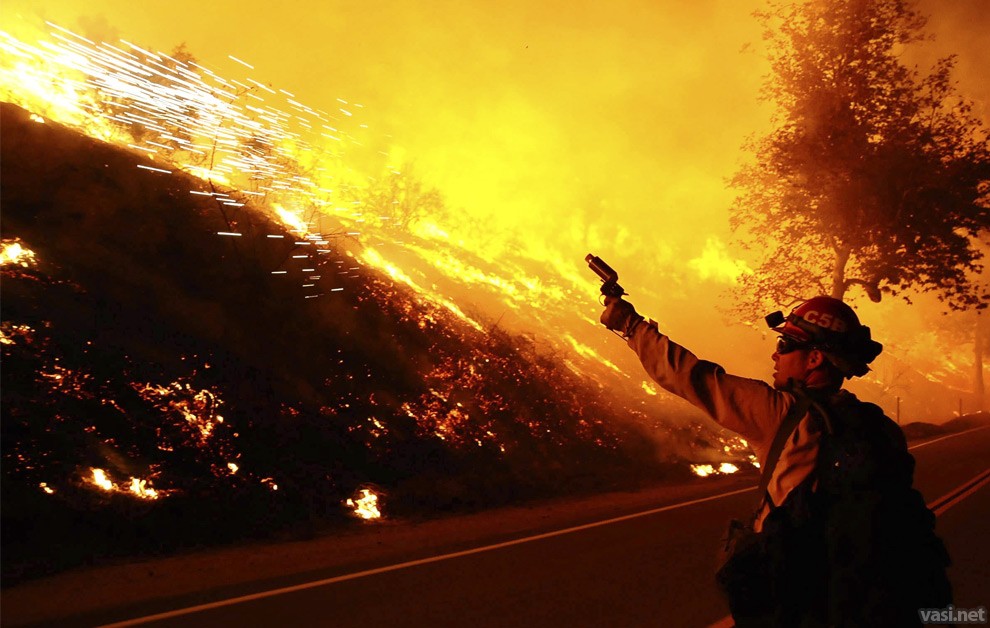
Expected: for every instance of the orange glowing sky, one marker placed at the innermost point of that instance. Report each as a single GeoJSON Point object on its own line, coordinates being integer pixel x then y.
{"type": "Point", "coordinates": [562, 127]}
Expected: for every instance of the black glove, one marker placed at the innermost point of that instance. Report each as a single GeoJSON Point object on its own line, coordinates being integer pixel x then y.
{"type": "Point", "coordinates": [620, 316]}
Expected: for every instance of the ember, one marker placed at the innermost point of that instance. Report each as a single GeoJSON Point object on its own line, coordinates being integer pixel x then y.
{"type": "Point", "coordinates": [10, 333]}
{"type": "Point", "coordinates": [197, 407]}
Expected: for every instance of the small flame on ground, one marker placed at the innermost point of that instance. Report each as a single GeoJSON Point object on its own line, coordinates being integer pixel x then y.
{"type": "Point", "coordinates": [365, 506]}
{"type": "Point", "coordinates": [137, 487]}
{"type": "Point", "coordinates": [101, 480]}
{"type": "Point", "coordinates": [14, 253]}
{"type": "Point", "coordinates": [706, 470]}
{"type": "Point", "coordinates": [703, 470]}
{"type": "Point", "coordinates": [727, 467]}
{"type": "Point", "coordinates": [142, 490]}
{"type": "Point", "coordinates": [44, 486]}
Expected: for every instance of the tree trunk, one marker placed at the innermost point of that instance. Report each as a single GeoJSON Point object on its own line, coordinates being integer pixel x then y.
{"type": "Point", "coordinates": [839, 272]}
{"type": "Point", "coordinates": [979, 391]}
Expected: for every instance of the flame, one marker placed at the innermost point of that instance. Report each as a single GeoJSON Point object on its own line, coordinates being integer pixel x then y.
{"type": "Point", "coordinates": [47, 489]}
{"type": "Point", "coordinates": [706, 470]}
{"type": "Point", "coordinates": [172, 109]}
{"type": "Point", "coordinates": [279, 153]}
{"type": "Point", "coordinates": [587, 352]}
{"type": "Point", "coordinates": [183, 115]}
{"type": "Point", "coordinates": [703, 470]}
{"type": "Point", "coordinates": [715, 263]}
{"type": "Point", "coordinates": [101, 480]}
{"type": "Point", "coordinates": [365, 506]}
{"type": "Point", "coordinates": [373, 258]}
{"type": "Point", "coordinates": [136, 487]}
{"type": "Point", "coordinates": [141, 489]}
{"type": "Point", "coordinates": [291, 219]}
{"type": "Point", "coordinates": [13, 252]}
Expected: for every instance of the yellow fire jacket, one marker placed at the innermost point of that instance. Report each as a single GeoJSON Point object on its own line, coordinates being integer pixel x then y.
{"type": "Point", "coordinates": [751, 408]}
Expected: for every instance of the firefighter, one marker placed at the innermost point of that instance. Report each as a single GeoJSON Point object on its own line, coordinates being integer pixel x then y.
{"type": "Point", "coordinates": [826, 545]}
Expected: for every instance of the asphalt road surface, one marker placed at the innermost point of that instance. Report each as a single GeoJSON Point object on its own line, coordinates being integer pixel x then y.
{"type": "Point", "coordinates": [641, 569]}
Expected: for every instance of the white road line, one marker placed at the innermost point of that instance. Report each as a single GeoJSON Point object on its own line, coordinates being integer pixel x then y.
{"type": "Point", "coordinates": [433, 559]}
{"type": "Point", "coordinates": [929, 442]}
{"type": "Point", "coordinates": [413, 563]}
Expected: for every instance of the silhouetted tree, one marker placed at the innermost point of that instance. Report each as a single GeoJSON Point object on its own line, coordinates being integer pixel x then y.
{"type": "Point", "coordinates": [873, 174]}
{"type": "Point", "coordinates": [401, 198]}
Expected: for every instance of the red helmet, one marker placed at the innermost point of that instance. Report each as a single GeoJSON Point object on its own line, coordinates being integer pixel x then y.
{"type": "Point", "coordinates": [832, 326]}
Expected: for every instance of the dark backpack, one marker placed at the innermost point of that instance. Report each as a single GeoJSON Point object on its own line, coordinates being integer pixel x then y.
{"type": "Point", "coordinates": [884, 559]}
{"type": "Point", "coordinates": [854, 544]}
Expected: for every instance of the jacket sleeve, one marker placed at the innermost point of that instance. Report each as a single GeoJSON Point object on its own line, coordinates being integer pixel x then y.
{"type": "Point", "coordinates": [749, 407]}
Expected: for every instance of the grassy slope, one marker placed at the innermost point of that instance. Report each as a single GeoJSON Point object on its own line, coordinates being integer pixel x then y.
{"type": "Point", "coordinates": [134, 288]}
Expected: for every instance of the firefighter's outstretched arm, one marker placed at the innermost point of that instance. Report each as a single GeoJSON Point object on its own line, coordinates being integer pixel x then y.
{"type": "Point", "coordinates": [749, 407]}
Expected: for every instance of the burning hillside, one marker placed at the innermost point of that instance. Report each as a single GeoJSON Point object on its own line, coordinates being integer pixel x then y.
{"type": "Point", "coordinates": [214, 326]}
{"type": "Point", "coordinates": [165, 380]}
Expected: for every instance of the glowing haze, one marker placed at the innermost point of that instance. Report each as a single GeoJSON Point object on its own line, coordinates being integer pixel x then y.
{"type": "Point", "coordinates": [553, 128]}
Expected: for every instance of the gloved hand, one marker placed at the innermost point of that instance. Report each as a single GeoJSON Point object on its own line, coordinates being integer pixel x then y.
{"type": "Point", "coordinates": [620, 316]}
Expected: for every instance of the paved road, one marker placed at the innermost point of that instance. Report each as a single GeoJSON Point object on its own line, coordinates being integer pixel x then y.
{"type": "Point", "coordinates": [648, 570]}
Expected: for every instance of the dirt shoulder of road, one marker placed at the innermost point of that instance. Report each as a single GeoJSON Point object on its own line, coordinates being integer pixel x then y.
{"type": "Point", "coordinates": [228, 571]}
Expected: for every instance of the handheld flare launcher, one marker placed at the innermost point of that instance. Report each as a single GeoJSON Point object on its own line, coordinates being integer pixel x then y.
{"type": "Point", "coordinates": [610, 278]}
